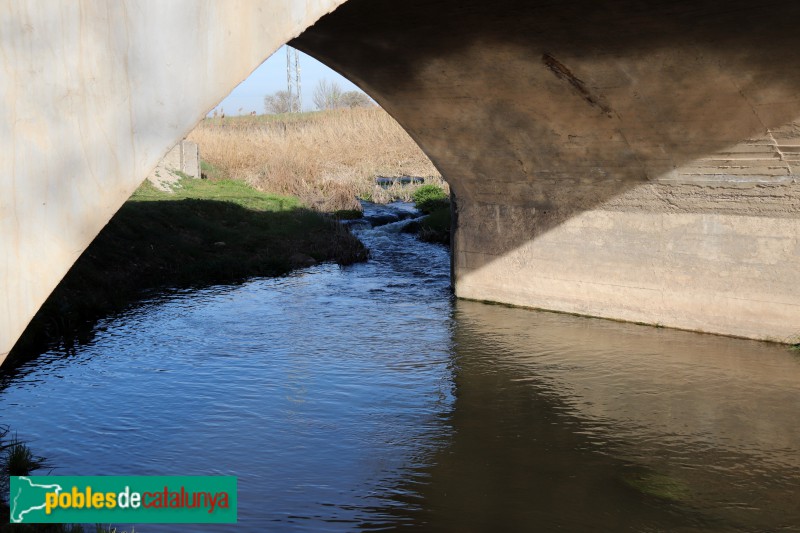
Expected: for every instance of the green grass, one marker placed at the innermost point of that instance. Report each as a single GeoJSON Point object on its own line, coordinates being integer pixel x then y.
{"type": "Point", "coordinates": [436, 226]}
{"type": "Point", "coordinates": [432, 201]}
{"type": "Point", "coordinates": [347, 214]}
{"type": "Point", "coordinates": [232, 191]}
{"type": "Point", "coordinates": [206, 232]}
{"type": "Point", "coordinates": [430, 198]}
{"type": "Point", "coordinates": [17, 459]}
{"type": "Point", "coordinates": [263, 118]}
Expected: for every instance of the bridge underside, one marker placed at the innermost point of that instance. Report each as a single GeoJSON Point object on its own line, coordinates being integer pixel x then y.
{"type": "Point", "coordinates": [627, 159]}
{"type": "Point", "coordinates": [624, 159]}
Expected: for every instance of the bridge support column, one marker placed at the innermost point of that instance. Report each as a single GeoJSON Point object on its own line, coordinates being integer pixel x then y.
{"type": "Point", "coordinates": [660, 254]}
{"type": "Point", "coordinates": [629, 160]}
{"type": "Point", "coordinates": [92, 95]}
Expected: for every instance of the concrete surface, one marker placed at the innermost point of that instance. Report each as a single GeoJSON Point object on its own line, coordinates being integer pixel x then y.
{"type": "Point", "coordinates": [626, 159]}
{"type": "Point", "coordinates": [184, 157]}
{"type": "Point", "coordinates": [93, 93]}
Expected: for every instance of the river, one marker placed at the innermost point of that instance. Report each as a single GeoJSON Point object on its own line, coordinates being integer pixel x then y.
{"type": "Point", "coordinates": [368, 398]}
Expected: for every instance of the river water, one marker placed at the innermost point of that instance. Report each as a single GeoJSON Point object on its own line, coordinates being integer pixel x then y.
{"type": "Point", "coordinates": [367, 398]}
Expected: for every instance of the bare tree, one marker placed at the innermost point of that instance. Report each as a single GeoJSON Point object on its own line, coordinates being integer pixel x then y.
{"type": "Point", "coordinates": [327, 95]}
{"type": "Point", "coordinates": [353, 99]}
{"type": "Point", "coordinates": [280, 102]}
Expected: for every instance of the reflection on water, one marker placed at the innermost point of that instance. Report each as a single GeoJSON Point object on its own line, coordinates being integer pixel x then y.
{"type": "Point", "coordinates": [365, 398]}
{"type": "Point", "coordinates": [570, 423]}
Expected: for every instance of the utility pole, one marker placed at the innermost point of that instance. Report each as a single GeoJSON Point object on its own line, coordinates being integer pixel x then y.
{"type": "Point", "coordinates": [293, 79]}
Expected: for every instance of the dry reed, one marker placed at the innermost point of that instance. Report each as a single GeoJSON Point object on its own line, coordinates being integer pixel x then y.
{"type": "Point", "coordinates": [327, 159]}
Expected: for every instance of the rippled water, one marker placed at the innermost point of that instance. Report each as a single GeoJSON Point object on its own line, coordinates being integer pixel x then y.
{"type": "Point", "coordinates": [365, 398]}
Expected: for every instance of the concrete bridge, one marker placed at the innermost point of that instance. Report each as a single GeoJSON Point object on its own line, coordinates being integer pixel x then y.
{"type": "Point", "coordinates": [634, 160]}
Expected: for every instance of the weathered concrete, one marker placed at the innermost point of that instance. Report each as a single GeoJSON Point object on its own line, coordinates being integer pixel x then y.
{"type": "Point", "coordinates": [92, 95]}
{"type": "Point", "coordinates": [184, 158]}
{"type": "Point", "coordinates": [627, 159]}
{"type": "Point", "coordinates": [190, 159]}
{"type": "Point", "coordinates": [631, 160]}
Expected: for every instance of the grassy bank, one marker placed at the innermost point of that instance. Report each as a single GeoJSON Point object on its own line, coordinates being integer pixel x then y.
{"type": "Point", "coordinates": [327, 159]}
{"type": "Point", "coordinates": [434, 203]}
{"type": "Point", "coordinates": [435, 227]}
{"type": "Point", "coordinates": [206, 232]}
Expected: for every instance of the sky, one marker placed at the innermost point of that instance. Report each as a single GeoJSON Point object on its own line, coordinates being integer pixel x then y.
{"type": "Point", "coordinates": [270, 77]}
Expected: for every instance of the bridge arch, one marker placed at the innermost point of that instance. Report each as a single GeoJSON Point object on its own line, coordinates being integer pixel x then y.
{"type": "Point", "coordinates": [632, 160]}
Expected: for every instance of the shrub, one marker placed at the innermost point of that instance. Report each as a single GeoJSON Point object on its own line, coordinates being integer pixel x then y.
{"type": "Point", "coordinates": [429, 198]}
{"type": "Point", "coordinates": [436, 226]}
{"type": "Point", "coordinates": [16, 459]}
{"type": "Point", "coordinates": [348, 214]}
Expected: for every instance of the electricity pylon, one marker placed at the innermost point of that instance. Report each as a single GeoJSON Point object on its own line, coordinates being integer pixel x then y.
{"type": "Point", "coordinates": [293, 79]}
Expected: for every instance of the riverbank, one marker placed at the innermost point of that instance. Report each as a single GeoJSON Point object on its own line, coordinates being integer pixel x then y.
{"type": "Point", "coordinates": [205, 232]}
{"type": "Point", "coordinates": [328, 159]}
{"type": "Point", "coordinates": [433, 202]}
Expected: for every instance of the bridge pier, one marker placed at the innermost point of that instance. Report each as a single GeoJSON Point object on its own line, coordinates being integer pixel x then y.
{"type": "Point", "coordinates": [635, 161]}
{"type": "Point", "coordinates": [93, 93]}
{"type": "Point", "coordinates": [664, 254]}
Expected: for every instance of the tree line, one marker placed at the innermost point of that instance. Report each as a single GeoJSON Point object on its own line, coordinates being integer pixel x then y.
{"type": "Point", "coordinates": [327, 95]}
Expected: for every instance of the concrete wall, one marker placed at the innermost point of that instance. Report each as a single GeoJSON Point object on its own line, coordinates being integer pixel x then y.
{"type": "Point", "coordinates": [184, 157]}
{"type": "Point", "coordinates": [92, 95]}
{"type": "Point", "coordinates": [733, 274]}
{"type": "Point", "coordinates": [630, 160]}
{"type": "Point", "coordinates": [623, 158]}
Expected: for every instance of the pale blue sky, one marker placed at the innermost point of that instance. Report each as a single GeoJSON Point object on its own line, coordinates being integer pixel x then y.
{"type": "Point", "coordinates": [270, 77]}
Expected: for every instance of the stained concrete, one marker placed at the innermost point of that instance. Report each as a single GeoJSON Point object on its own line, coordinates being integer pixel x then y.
{"type": "Point", "coordinates": [631, 159]}
{"type": "Point", "coordinates": [184, 158]}
{"type": "Point", "coordinates": [93, 94]}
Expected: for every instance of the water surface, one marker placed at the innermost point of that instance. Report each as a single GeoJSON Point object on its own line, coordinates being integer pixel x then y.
{"type": "Point", "coordinates": [366, 398]}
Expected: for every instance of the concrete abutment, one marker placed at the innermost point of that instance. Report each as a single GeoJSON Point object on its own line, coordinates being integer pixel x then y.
{"type": "Point", "coordinates": [634, 161]}
{"type": "Point", "coordinates": [704, 271]}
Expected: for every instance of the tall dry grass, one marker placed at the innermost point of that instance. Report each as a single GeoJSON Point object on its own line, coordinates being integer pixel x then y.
{"type": "Point", "coordinates": [328, 159]}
